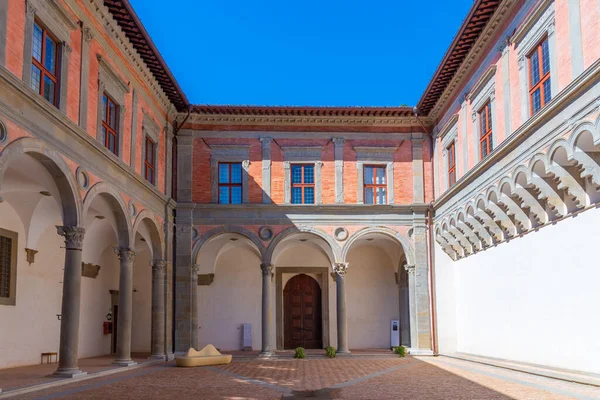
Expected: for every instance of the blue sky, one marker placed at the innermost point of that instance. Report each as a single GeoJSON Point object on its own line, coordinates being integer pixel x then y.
{"type": "Point", "coordinates": [306, 52]}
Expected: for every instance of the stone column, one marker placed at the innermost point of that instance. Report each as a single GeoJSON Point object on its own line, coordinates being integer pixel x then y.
{"type": "Point", "coordinates": [194, 305]}
{"type": "Point", "coordinates": [342, 323]}
{"type": "Point", "coordinates": [267, 319]}
{"type": "Point", "coordinates": [158, 309]}
{"type": "Point", "coordinates": [126, 257]}
{"type": "Point", "coordinates": [412, 310]}
{"type": "Point", "coordinates": [86, 38]}
{"type": "Point", "coordinates": [420, 294]}
{"type": "Point", "coordinates": [71, 302]}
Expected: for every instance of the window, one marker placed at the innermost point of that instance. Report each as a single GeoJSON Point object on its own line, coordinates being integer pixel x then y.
{"type": "Point", "coordinates": [230, 183]}
{"type": "Point", "coordinates": [44, 64]}
{"type": "Point", "coordinates": [303, 184]}
{"type": "Point", "coordinates": [451, 164]}
{"type": "Point", "coordinates": [539, 76]}
{"type": "Point", "coordinates": [149, 166]}
{"type": "Point", "coordinates": [8, 267]}
{"type": "Point", "coordinates": [110, 135]}
{"type": "Point", "coordinates": [375, 184]}
{"type": "Point", "coordinates": [485, 130]}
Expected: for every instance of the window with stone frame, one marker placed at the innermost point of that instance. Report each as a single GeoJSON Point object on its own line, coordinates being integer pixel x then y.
{"type": "Point", "coordinates": [45, 63]}
{"type": "Point", "coordinates": [150, 160]}
{"type": "Point", "coordinates": [540, 91]}
{"type": "Point", "coordinates": [110, 128]}
{"type": "Point", "coordinates": [46, 50]}
{"type": "Point", "coordinates": [230, 182]}
{"type": "Point", "coordinates": [111, 107]}
{"type": "Point", "coordinates": [486, 142]}
{"type": "Point", "coordinates": [303, 183]}
{"type": "Point", "coordinates": [375, 184]}
{"type": "Point", "coordinates": [8, 267]}
{"type": "Point", "coordinates": [451, 152]}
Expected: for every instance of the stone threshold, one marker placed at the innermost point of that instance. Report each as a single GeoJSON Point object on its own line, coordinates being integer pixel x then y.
{"type": "Point", "coordinates": [533, 369]}
{"type": "Point", "coordinates": [68, 381]}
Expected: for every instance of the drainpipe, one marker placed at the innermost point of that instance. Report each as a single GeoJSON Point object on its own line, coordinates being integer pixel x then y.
{"type": "Point", "coordinates": [430, 257]}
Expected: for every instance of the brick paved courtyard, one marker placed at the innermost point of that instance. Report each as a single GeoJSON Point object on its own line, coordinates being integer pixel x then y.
{"type": "Point", "coordinates": [320, 378]}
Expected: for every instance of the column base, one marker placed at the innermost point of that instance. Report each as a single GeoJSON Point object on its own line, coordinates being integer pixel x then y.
{"type": "Point", "coordinates": [69, 373]}
{"type": "Point", "coordinates": [170, 356]}
{"type": "Point", "coordinates": [419, 352]}
{"type": "Point", "coordinates": [124, 363]}
{"type": "Point", "coordinates": [266, 354]}
{"type": "Point", "coordinates": [343, 353]}
{"type": "Point", "coordinates": [157, 357]}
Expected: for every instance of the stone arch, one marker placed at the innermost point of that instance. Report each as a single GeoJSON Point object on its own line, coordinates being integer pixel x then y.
{"type": "Point", "coordinates": [156, 236]}
{"type": "Point", "coordinates": [583, 128]}
{"type": "Point", "coordinates": [401, 239]}
{"type": "Point", "coordinates": [118, 207]}
{"type": "Point", "coordinates": [335, 248]}
{"type": "Point", "coordinates": [220, 230]}
{"type": "Point", "coordinates": [70, 199]}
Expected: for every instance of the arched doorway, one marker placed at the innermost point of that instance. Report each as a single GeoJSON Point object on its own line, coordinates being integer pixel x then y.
{"type": "Point", "coordinates": [302, 313]}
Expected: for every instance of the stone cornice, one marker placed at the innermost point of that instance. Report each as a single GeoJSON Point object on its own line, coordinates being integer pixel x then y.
{"type": "Point", "coordinates": [474, 57]}
{"type": "Point", "coordinates": [103, 16]}
{"type": "Point", "coordinates": [317, 121]}
{"type": "Point", "coordinates": [72, 131]}
{"type": "Point", "coordinates": [483, 80]}
{"type": "Point", "coordinates": [530, 21]}
{"type": "Point", "coordinates": [308, 208]}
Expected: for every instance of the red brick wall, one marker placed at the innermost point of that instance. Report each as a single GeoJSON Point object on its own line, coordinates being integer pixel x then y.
{"type": "Point", "coordinates": [403, 168]}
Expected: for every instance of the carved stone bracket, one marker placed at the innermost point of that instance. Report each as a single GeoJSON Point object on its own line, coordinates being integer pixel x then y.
{"type": "Point", "coordinates": [205, 279]}
{"type": "Point", "coordinates": [90, 270]}
{"type": "Point", "coordinates": [30, 255]}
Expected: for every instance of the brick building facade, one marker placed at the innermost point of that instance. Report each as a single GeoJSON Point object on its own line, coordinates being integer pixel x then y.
{"type": "Point", "coordinates": [312, 226]}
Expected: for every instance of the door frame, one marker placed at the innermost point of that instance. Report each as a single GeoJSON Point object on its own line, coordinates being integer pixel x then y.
{"type": "Point", "coordinates": [323, 275]}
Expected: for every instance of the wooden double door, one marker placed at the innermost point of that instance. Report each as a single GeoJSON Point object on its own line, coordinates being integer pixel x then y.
{"type": "Point", "coordinates": [302, 313]}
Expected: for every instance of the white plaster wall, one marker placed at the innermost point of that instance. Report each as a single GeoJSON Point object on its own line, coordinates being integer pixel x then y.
{"type": "Point", "coordinates": [234, 298]}
{"type": "Point", "coordinates": [371, 297]}
{"type": "Point", "coordinates": [445, 302]}
{"type": "Point", "coordinates": [31, 326]}
{"type": "Point", "coordinates": [96, 302]}
{"type": "Point", "coordinates": [534, 299]}
{"type": "Point", "coordinates": [141, 325]}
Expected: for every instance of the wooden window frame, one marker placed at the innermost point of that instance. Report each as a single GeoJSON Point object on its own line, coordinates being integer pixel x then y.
{"type": "Point", "coordinates": [105, 123]}
{"type": "Point", "coordinates": [229, 184]}
{"type": "Point", "coordinates": [149, 160]}
{"type": "Point", "coordinates": [375, 186]}
{"type": "Point", "coordinates": [451, 152]}
{"type": "Point", "coordinates": [302, 185]}
{"type": "Point", "coordinates": [533, 86]}
{"type": "Point", "coordinates": [40, 65]}
{"type": "Point", "coordinates": [11, 299]}
{"type": "Point", "coordinates": [486, 132]}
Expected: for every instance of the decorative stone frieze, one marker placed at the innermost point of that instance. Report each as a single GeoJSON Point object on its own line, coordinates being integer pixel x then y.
{"type": "Point", "coordinates": [552, 184]}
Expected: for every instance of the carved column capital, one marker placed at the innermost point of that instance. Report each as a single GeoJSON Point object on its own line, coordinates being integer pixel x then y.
{"type": "Point", "coordinates": [73, 236]}
{"type": "Point", "coordinates": [87, 35]}
{"type": "Point", "coordinates": [30, 9]}
{"type": "Point", "coordinates": [158, 266]}
{"type": "Point", "coordinates": [409, 268]}
{"type": "Point", "coordinates": [340, 268]}
{"type": "Point", "coordinates": [338, 141]}
{"type": "Point", "coordinates": [286, 165]}
{"type": "Point", "coordinates": [125, 254]}
{"type": "Point", "coordinates": [68, 49]}
{"type": "Point", "coordinates": [194, 269]}
{"type": "Point", "coordinates": [266, 269]}
{"type": "Point", "coordinates": [266, 141]}
{"type": "Point", "coordinates": [246, 164]}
